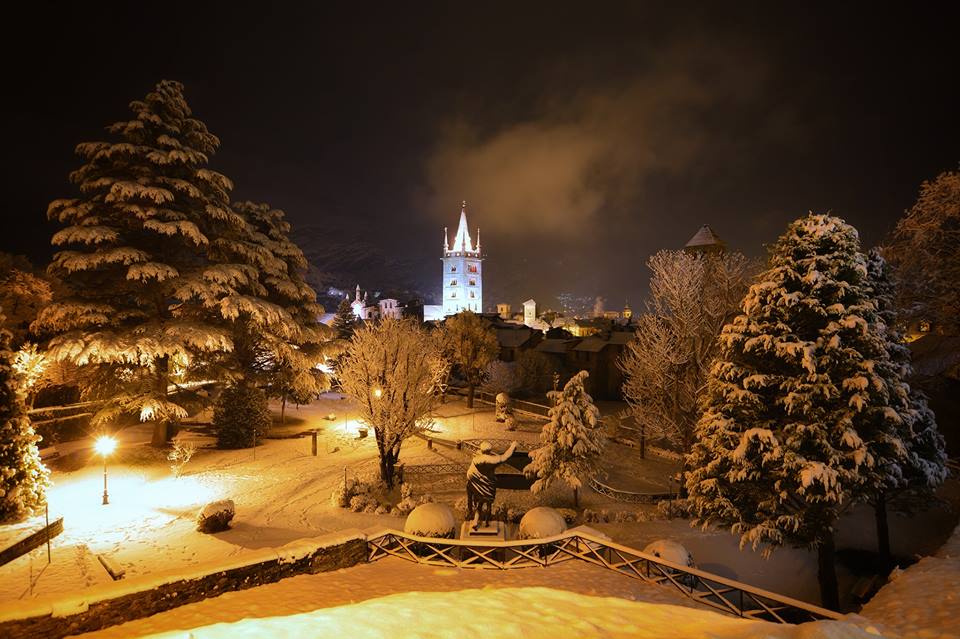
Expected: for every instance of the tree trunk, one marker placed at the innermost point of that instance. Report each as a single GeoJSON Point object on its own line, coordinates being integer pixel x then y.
{"type": "Point", "coordinates": [283, 410]}
{"type": "Point", "coordinates": [827, 573]}
{"type": "Point", "coordinates": [471, 390]}
{"type": "Point", "coordinates": [387, 467]}
{"type": "Point", "coordinates": [883, 530]}
{"type": "Point", "coordinates": [576, 498]}
{"type": "Point", "coordinates": [161, 427]}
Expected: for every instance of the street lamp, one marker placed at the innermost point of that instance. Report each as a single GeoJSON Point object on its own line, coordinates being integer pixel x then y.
{"type": "Point", "coordinates": [104, 446]}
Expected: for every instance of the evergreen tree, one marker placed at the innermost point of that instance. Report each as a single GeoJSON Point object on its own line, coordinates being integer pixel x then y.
{"type": "Point", "coordinates": [572, 442]}
{"type": "Point", "coordinates": [240, 416]}
{"type": "Point", "coordinates": [273, 319]}
{"type": "Point", "coordinates": [294, 373]}
{"type": "Point", "coordinates": [778, 453]}
{"type": "Point", "coordinates": [901, 433]}
{"type": "Point", "coordinates": [345, 321]}
{"type": "Point", "coordinates": [147, 291]}
{"type": "Point", "coordinates": [470, 344]}
{"type": "Point", "coordinates": [23, 477]}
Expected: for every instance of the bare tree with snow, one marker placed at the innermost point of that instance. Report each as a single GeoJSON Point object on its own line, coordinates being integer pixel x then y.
{"type": "Point", "coordinates": [470, 344]}
{"type": "Point", "coordinates": [665, 367]}
{"type": "Point", "coordinates": [924, 250]}
{"type": "Point", "coordinates": [393, 370]}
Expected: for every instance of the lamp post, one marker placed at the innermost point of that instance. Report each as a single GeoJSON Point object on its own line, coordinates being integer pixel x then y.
{"type": "Point", "coordinates": [104, 446]}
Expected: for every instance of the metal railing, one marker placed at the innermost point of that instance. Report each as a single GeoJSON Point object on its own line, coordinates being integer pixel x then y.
{"type": "Point", "coordinates": [715, 592]}
{"type": "Point", "coordinates": [627, 496]}
{"type": "Point", "coordinates": [517, 405]}
{"type": "Point", "coordinates": [450, 468]}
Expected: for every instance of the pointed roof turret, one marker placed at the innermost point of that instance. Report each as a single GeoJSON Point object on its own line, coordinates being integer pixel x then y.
{"type": "Point", "coordinates": [705, 240]}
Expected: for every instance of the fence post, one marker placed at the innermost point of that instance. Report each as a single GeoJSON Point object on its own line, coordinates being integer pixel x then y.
{"type": "Point", "coordinates": [46, 510]}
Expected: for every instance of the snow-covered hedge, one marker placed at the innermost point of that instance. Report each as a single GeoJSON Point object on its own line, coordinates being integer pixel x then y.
{"type": "Point", "coordinates": [431, 520]}
{"type": "Point", "coordinates": [216, 516]}
{"type": "Point", "coordinates": [541, 522]}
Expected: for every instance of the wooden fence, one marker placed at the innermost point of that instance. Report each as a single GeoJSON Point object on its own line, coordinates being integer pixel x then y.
{"type": "Point", "coordinates": [713, 591]}
{"type": "Point", "coordinates": [34, 540]}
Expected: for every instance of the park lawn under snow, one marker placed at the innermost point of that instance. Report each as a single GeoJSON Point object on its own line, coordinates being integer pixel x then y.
{"type": "Point", "coordinates": [284, 494]}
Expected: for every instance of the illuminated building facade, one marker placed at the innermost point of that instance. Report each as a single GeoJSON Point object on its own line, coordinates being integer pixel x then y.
{"type": "Point", "coordinates": [462, 272]}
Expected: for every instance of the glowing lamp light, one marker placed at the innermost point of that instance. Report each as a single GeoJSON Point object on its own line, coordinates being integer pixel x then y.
{"type": "Point", "coordinates": [104, 446]}
{"type": "Point", "coordinates": [377, 393]}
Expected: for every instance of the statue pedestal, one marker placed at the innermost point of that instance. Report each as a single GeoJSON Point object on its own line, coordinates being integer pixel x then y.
{"type": "Point", "coordinates": [496, 531]}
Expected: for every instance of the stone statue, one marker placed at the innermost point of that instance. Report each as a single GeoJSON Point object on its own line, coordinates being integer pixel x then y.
{"type": "Point", "coordinates": [482, 483]}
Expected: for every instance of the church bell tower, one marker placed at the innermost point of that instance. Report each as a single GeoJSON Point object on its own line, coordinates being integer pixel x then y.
{"type": "Point", "coordinates": [462, 275]}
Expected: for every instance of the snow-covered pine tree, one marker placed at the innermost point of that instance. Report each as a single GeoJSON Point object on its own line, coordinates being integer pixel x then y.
{"type": "Point", "coordinates": [901, 433]}
{"type": "Point", "coordinates": [23, 477]}
{"type": "Point", "coordinates": [572, 442]}
{"type": "Point", "coordinates": [777, 453]}
{"type": "Point", "coordinates": [345, 321]}
{"type": "Point", "coordinates": [144, 297]}
{"type": "Point", "coordinates": [294, 351]}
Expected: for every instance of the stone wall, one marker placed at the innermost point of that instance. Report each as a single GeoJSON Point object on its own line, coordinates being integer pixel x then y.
{"type": "Point", "coordinates": [124, 601]}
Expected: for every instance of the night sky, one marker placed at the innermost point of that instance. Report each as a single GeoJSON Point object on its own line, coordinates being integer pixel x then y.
{"type": "Point", "coordinates": [584, 136]}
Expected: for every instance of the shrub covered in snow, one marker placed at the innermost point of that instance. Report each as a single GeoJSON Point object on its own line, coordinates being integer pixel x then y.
{"type": "Point", "coordinates": [541, 522]}
{"type": "Point", "coordinates": [215, 516]}
{"type": "Point", "coordinates": [670, 550]}
{"type": "Point", "coordinates": [240, 416]}
{"type": "Point", "coordinates": [431, 520]}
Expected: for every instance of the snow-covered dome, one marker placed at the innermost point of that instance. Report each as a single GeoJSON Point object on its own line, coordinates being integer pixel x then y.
{"type": "Point", "coordinates": [431, 520]}
{"type": "Point", "coordinates": [671, 551]}
{"type": "Point", "coordinates": [541, 522]}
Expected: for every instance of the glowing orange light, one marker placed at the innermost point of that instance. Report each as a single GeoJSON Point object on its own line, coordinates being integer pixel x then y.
{"type": "Point", "coordinates": [105, 445]}
{"type": "Point", "coordinates": [377, 393]}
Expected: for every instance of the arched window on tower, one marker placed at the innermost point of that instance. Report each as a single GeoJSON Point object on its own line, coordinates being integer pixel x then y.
{"type": "Point", "coordinates": [453, 282]}
{"type": "Point", "coordinates": [473, 282]}
{"type": "Point", "coordinates": [453, 268]}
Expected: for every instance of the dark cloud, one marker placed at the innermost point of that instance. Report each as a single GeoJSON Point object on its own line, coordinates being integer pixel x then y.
{"type": "Point", "coordinates": [592, 149]}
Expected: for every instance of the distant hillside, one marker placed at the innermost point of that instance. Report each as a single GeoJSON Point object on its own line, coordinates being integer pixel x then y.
{"type": "Point", "coordinates": [340, 259]}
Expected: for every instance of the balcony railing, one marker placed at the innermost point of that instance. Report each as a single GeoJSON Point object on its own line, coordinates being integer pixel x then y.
{"type": "Point", "coordinates": [713, 591]}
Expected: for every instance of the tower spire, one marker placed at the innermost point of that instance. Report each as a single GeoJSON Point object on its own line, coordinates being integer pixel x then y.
{"type": "Point", "coordinates": [478, 240]}
{"type": "Point", "coordinates": [462, 241]}
{"type": "Point", "coordinates": [446, 243]}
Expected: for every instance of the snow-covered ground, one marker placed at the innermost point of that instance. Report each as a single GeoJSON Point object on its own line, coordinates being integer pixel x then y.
{"type": "Point", "coordinates": [282, 493]}
{"type": "Point", "coordinates": [447, 602]}
{"type": "Point", "coordinates": [923, 601]}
